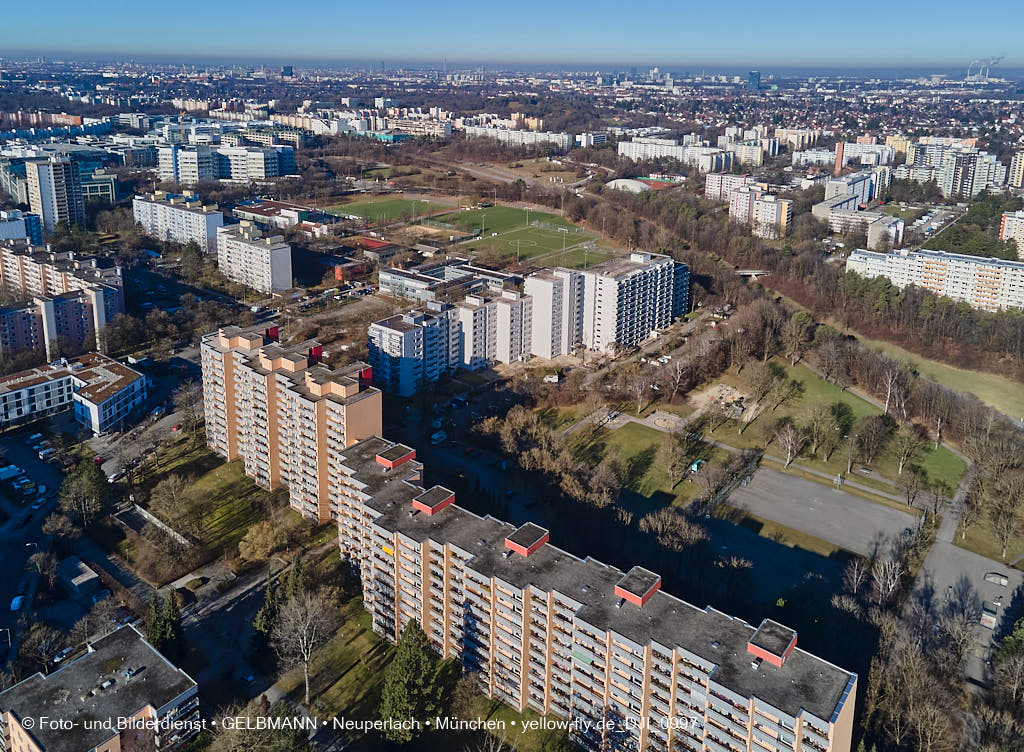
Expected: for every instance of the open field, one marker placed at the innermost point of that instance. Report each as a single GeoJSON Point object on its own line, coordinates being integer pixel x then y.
{"type": "Point", "coordinates": [998, 391]}
{"type": "Point", "coordinates": [981, 540]}
{"type": "Point", "coordinates": [907, 215]}
{"type": "Point", "coordinates": [498, 219]}
{"type": "Point", "coordinates": [530, 242]}
{"type": "Point", "coordinates": [941, 463]}
{"type": "Point", "coordinates": [540, 169]}
{"type": "Point", "coordinates": [387, 209]}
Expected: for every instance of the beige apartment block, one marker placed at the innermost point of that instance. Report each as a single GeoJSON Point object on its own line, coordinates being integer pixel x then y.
{"type": "Point", "coordinates": [285, 414]}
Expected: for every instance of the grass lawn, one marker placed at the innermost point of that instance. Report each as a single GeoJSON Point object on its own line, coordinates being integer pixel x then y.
{"type": "Point", "coordinates": [533, 241]}
{"type": "Point", "coordinates": [560, 418]}
{"type": "Point", "coordinates": [907, 215]}
{"type": "Point", "coordinates": [1000, 392]}
{"type": "Point", "coordinates": [646, 479]}
{"type": "Point", "coordinates": [234, 501]}
{"type": "Point", "coordinates": [578, 258]}
{"type": "Point", "coordinates": [940, 463]}
{"type": "Point", "coordinates": [981, 541]}
{"type": "Point", "coordinates": [540, 169]}
{"type": "Point", "coordinates": [387, 209]}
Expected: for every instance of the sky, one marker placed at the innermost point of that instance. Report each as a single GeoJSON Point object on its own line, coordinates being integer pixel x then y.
{"type": "Point", "coordinates": [675, 34]}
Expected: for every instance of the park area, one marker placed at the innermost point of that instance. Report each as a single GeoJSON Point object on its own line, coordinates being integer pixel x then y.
{"type": "Point", "coordinates": [387, 209]}
{"type": "Point", "coordinates": [540, 237]}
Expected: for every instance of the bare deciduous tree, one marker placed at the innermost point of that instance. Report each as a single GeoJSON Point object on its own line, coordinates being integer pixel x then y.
{"type": "Point", "coordinates": [791, 440]}
{"type": "Point", "coordinates": [304, 624]}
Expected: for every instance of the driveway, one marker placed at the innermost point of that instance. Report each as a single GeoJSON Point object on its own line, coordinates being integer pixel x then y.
{"type": "Point", "coordinates": [848, 521]}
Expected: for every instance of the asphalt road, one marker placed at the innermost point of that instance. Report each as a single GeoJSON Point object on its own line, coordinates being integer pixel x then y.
{"type": "Point", "coordinates": [953, 577]}
{"type": "Point", "coordinates": [849, 521]}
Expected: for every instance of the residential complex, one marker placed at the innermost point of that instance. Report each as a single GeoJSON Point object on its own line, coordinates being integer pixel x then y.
{"type": "Point", "coordinates": [55, 191]}
{"type": "Point", "coordinates": [521, 138]}
{"type": "Point", "coordinates": [178, 219]}
{"type": "Point", "coordinates": [880, 229]}
{"type": "Point", "coordinates": [1016, 175]}
{"type": "Point", "coordinates": [719, 185]}
{"type": "Point", "coordinates": [699, 155]}
{"type": "Point", "coordinates": [246, 256]}
{"type": "Point", "coordinates": [120, 677]}
{"type": "Point", "coordinates": [615, 304]}
{"type": "Point", "coordinates": [1012, 228]}
{"type": "Point", "coordinates": [446, 280]}
{"type": "Point", "coordinates": [573, 637]}
{"type": "Point", "coordinates": [285, 414]}
{"type": "Point", "coordinates": [191, 164]}
{"type": "Point", "coordinates": [69, 298]}
{"type": "Point", "coordinates": [767, 215]}
{"type": "Point", "coordinates": [986, 283]}
{"type": "Point", "coordinates": [413, 349]}
{"type": "Point", "coordinates": [103, 393]}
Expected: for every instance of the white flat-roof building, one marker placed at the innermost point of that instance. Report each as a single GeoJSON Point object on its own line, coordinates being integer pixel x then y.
{"type": "Point", "coordinates": [178, 219]}
{"type": "Point", "coordinates": [986, 283]}
{"type": "Point", "coordinates": [245, 256]}
{"type": "Point", "coordinates": [557, 326]}
{"type": "Point", "coordinates": [1012, 228]}
{"type": "Point", "coordinates": [626, 299]}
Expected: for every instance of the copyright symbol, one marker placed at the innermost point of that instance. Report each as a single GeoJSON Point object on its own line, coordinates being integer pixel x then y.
{"type": "Point", "coordinates": [27, 723]}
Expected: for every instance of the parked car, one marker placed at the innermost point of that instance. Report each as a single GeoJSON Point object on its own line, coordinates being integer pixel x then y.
{"type": "Point", "coordinates": [33, 439]}
{"type": "Point", "coordinates": [438, 437]}
{"type": "Point", "coordinates": [17, 602]}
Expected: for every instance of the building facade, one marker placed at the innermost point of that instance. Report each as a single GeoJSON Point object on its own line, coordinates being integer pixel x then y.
{"type": "Point", "coordinates": [245, 256]}
{"type": "Point", "coordinates": [69, 298]}
{"type": "Point", "coordinates": [284, 413]}
{"type": "Point", "coordinates": [719, 185]}
{"type": "Point", "coordinates": [19, 225]}
{"type": "Point", "coordinates": [572, 637]}
{"type": "Point", "coordinates": [178, 219]}
{"type": "Point", "coordinates": [1016, 175]}
{"type": "Point", "coordinates": [103, 393]}
{"type": "Point", "coordinates": [55, 191]}
{"type": "Point", "coordinates": [413, 349]}
{"type": "Point", "coordinates": [1012, 228]}
{"type": "Point", "coordinates": [986, 283]}
{"type": "Point", "coordinates": [557, 317]}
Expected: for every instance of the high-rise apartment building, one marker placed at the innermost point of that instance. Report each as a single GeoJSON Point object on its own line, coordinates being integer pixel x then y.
{"type": "Point", "coordinates": [286, 415]}
{"type": "Point", "coordinates": [986, 283]}
{"type": "Point", "coordinates": [1012, 228]}
{"type": "Point", "coordinates": [968, 172]}
{"type": "Point", "coordinates": [860, 185]}
{"type": "Point", "coordinates": [55, 191]}
{"type": "Point", "coordinates": [412, 349]}
{"type": "Point", "coordinates": [557, 326]}
{"type": "Point", "coordinates": [632, 667]}
{"type": "Point", "coordinates": [178, 219]}
{"type": "Point", "coordinates": [767, 215]}
{"type": "Point", "coordinates": [719, 185]}
{"type": "Point", "coordinates": [68, 299]}
{"type": "Point", "coordinates": [1016, 176]}
{"type": "Point", "coordinates": [626, 299]}
{"type": "Point", "coordinates": [187, 165]}
{"type": "Point", "coordinates": [245, 256]}
{"type": "Point", "coordinates": [131, 695]}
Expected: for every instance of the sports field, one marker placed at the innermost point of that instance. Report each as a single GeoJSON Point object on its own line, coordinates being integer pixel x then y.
{"type": "Point", "coordinates": [555, 242]}
{"type": "Point", "coordinates": [387, 209]}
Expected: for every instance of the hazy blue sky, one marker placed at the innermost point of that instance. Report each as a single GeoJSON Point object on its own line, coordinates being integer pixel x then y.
{"type": "Point", "coordinates": [675, 33]}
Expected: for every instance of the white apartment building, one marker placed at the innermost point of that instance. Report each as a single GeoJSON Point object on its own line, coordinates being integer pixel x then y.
{"type": "Point", "coordinates": [625, 299]}
{"type": "Point", "coordinates": [771, 217]}
{"type": "Point", "coordinates": [412, 349]}
{"type": "Point", "coordinates": [514, 323]}
{"type": "Point", "coordinates": [247, 163]}
{"type": "Point", "coordinates": [520, 137]}
{"type": "Point", "coordinates": [968, 172]}
{"type": "Point", "coordinates": [557, 326]}
{"type": "Point", "coordinates": [986, 283]}
{"type": "Point", "coordinates": [179, 219]}
{"type": "Point", "coordinates": [1012, 228]}
{"type": "Point", "coordinates": [55, 191]}
{"type": "Point", "coordinates": [187, 164]}
{"type": "Point", "coordinates": [860, 185]}
{"type": "Point", "coordinates": [245, 256]}
{"type": "Point", "coordinates": [478, 326]}
{"type": "Point", "coordinates": [719, 185]}
{"type": "Point", "coordinates": [704, 158]}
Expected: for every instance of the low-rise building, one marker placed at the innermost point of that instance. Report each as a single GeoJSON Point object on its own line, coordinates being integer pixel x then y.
{"type": "Point", "coordinates": [19, 225]}
{"type": "Point", "coordinates": [277, 215]}
{"type": "Point", "coordinates": [103, 393]}
{"type": "Point", "coordinates": [246, 256]}
{"type": "Point", "coordinates": [178, 219]}
{"type": "Point", "coordinates": [120, 679]}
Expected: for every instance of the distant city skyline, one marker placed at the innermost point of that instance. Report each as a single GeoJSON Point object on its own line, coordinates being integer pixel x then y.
{"type": "Point", "coordinates": [530, 32]}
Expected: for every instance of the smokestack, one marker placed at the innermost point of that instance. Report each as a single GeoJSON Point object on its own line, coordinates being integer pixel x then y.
{"type": "Point", "coordinates": [840, 146]}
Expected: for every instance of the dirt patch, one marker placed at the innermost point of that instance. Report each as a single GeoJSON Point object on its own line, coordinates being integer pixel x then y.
{"type": "Point", "coordinates": [735, 402]}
